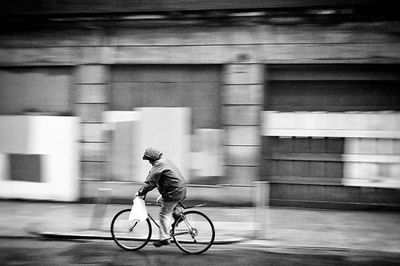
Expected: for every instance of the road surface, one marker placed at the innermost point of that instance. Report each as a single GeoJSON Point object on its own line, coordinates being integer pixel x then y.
{"type": "Point", "coordinates": [55, 252]}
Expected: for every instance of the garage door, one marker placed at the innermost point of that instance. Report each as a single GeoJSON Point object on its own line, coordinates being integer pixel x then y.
{"type": "Point", "coordinates": [196, 87]}
{"type": "Point", "coordinates": [334, 89]}
{"type": "Point", "coordinates": [189, 86]}
{"type": "Point", "coordinates": [43, 89]}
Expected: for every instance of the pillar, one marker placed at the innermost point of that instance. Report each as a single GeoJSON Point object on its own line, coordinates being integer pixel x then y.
{"type": "Point", "coordinates": [91, 100]}
{"type": "Point", "coordinates": [242, 103]}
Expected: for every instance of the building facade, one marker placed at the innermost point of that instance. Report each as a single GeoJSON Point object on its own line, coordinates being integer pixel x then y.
{"type": "Point", "coordinates": [301, 95]}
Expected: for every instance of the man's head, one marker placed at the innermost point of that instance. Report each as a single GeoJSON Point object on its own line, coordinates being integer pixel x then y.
{"type": "Point", "coordinates": [152, 155]}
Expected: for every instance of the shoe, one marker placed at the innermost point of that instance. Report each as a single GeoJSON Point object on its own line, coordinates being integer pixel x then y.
{"type": "Point", "coordinates": [160, 243]}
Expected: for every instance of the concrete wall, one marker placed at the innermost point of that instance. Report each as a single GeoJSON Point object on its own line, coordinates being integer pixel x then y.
{"type": "Point", "coordinates": [243, 51]}
{"type": "Point", "coordinates": [345, 43]}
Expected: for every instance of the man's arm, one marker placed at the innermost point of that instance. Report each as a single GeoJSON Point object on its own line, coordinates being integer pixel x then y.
{"type": "Point", "coordinates": [150, 183]}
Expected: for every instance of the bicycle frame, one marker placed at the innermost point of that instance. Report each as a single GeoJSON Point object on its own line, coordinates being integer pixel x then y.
{"type": "Point", "coordinates": [154, 221]}
{"type": "Point", "coordinates": [176, 234]}
{"type": "Point", "coordinates": [183, 218]}
{"type": "Point", "coordinates": [187, 228]}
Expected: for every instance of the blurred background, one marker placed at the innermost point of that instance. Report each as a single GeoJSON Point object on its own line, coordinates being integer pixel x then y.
{"type": "Point", "coordinates": [300, 96]}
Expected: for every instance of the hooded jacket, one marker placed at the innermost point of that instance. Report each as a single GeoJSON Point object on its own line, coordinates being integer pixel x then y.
{"type": "Point", "coordinates": [165, 176]}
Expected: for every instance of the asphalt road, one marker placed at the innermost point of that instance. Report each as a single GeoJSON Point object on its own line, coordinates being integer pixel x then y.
{"type": "Point", "coordinates": [49, 252]}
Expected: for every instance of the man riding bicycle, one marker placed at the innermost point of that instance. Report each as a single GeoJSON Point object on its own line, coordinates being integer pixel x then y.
{"type": "Point", "coordinates": [170, 183]}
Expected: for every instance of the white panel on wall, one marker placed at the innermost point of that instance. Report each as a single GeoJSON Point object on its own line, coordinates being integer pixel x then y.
{"type": "Point", "coordinates": [390, 180]}
{"type": "Point", "coordinates": [167, 129]}
{"type": "Point", "coordinates": [123, 129]}
{"type": "Point", "coordinates": [332, 124]}
{"type": "Point", "coordinates": [385, 146]}
{"type": "Point", "coordinates": [312, 120]}
{"type": "Point", "coordinates": [57, 137]}
{"type": "Point", "coordinates": [395, 171]}
{"type": "Point", "coordinates": [112, 117]}
{"type": "Point", "coordinates": [4, 167]}
{"type": "Point", "coordinates": [54, 137]}
{"type": "Point", "coordinates": [207, 160]}
{"type": "Point", "coordinates": [370, 162]}
{"type": "Point", "coordinates": [367, 146]}
{"type": "Point", "coordinates": [121, 163]}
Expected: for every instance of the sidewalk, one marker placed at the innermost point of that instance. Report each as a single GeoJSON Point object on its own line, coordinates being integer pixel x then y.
{"type": "Point", "coordinates": [284, 229]}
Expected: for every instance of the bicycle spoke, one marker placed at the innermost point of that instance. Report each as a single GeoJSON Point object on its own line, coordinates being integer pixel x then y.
{"type": "Point", "coordinates": [130, 229]}
{"type": "Point", "coordinates": [198, 233]}
{"type": "Point", "coordinates": [130, 237]}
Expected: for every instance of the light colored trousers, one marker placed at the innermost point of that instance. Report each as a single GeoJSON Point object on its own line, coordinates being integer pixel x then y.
{"type": "Point", "coordinates": [166, 219]}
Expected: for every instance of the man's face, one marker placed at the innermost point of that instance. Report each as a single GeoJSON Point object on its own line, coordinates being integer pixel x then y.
{"type": "Point", "coordinates": [151, 162]}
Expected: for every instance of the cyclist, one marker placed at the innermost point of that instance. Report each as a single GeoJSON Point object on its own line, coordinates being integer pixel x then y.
{"type": "Point", "coordinates": [170, 183]}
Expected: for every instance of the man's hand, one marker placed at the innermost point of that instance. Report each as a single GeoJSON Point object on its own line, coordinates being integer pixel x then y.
{"type": "Point", "coordinates": [137, 195]}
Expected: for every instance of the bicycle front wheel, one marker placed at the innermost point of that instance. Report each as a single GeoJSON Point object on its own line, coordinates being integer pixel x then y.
{"type": "Point", "coordinates": [193, 232]}
{"type": "Point", "coordinates": [129, 237]}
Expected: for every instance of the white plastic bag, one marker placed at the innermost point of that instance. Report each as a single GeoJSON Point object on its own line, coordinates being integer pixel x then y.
{"type": "Point", "coordinates": [138, 212]}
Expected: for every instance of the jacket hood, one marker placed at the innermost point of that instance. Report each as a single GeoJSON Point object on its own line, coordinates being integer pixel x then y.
{"type": "Point", "coordinates": [152, 154]}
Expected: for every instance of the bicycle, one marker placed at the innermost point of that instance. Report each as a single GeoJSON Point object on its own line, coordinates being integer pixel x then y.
{"type": "Point", "coordinates": [192, 231]}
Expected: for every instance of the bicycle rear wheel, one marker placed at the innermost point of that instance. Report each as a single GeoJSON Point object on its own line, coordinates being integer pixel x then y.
{"type": "Point", "coordinates": [130, 238]}
{"type": "Point", "coordinates": [193, 232]}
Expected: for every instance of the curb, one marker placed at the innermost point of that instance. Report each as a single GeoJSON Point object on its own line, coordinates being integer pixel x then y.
{"type": "Point", "coordinates": [81, 236]}
{"type": "Point", "coordinates": [318, 250]}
